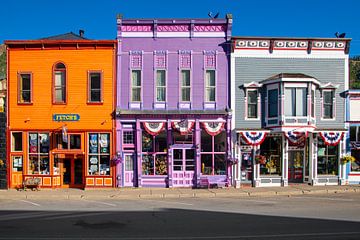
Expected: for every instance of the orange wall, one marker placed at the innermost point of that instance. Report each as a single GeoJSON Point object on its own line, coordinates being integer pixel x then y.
{"type": "Point", "coordinates": [78, 62]}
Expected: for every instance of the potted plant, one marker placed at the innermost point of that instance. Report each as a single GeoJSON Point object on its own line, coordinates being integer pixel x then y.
{"type": "Point", "coordinates": [347, 158]}
{"type": "Point", "coordinates": [260, 159]}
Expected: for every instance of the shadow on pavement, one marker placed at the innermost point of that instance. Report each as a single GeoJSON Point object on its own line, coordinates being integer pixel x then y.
{"type": "Point", "coordinates": [167, 224]}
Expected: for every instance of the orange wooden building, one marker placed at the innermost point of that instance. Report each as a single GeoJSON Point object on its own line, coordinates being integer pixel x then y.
{"type": "Point", "coordinates": [60, 128]}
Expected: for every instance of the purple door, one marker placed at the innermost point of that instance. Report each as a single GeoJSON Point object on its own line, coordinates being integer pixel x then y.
{"type": "Point", "coordinates": [128, 170]}
{"type": "Point", "coordinates": [183, 167]}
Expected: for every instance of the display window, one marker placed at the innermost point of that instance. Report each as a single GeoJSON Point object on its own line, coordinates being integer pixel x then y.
{"type": "Point", "coordinates": [270, 156]}
{"type": "Point", "coordinates": [328, 158]}
{"type": "Point", "coordinates": [154, 154]}
{"type": "Point", "coordinates": [355, 166]}
{"type": "Point", "coordinates": [39, 162]}
{"type": "Point", "coordinates": [99, 154]}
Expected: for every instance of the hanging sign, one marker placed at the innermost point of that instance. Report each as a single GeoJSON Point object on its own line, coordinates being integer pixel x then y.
{"type": "Point", "coordinates": [331, 138]}
{"type": "Point", "coordinates": [183, 126]}
{"type": "Point", "coordinates": [254, 138]}
{"type": "Point", "coordinates": [154, 128]}
{"type": "Point", "coordinates": [213, 128]}
{"type": "Point", "coordinates": [296, 137]}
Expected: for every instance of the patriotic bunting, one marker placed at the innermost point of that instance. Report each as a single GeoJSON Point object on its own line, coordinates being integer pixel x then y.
{"type": "Point", "coordinates": [296, 137]}
{"type": "Point", "coordinates": [183, 126]}
{"type": "Point", "coordinates": [331, 138]}
{"type": "Point", "coordinates": [213, 128]}
{"type": "Point", "coordinates": [154, 128]}
{"type": "Point", "coordinates": [254, 138]}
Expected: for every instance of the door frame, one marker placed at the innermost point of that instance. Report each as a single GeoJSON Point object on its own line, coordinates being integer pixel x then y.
{"type": "Point", "coordinates": [72, 172]}
{"type": "Point", "coordinates": [302, 165]}
{"type": "Point", "coordinates": [134, 172]}
{"type": "Point", "coordinates": [184, 148]}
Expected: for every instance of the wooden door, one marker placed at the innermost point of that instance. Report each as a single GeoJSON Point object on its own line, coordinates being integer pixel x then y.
{"type": "Point", "coordinates": [16, 171]}
{"type": "Point", "coordinates": [129, 170]}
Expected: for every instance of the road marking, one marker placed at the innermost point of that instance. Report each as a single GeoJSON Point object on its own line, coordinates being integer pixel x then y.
{"type": "Point", "coordinates": [171, 202]}
{"type": "Point", "coordinates": [32, 203]}
{"type": "Point", "coordinates": [104, 203]}
{"type": "Point", "coordinates": [325, 198]}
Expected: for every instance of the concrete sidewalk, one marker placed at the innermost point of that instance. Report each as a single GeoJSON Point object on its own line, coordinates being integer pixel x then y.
{"type": "Point", "coordinates": [131, 193]}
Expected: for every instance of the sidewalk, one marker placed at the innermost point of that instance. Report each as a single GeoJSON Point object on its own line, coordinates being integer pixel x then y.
{"type": "Point", "coordinates": [131, 193]}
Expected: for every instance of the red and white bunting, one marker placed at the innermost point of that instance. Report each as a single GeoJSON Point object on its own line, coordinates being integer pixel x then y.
{"type": "Point", "coordinates": [183, 126]}
{"type": "Point", "coordinates": [296, 137]}
{"type": "Point", "coordinates": [213, 128]}
{"type": "Point", "coordinates": [331, 138]}
{"type": "Point", "coordinates": [154, 128]}
{"type": "Point", "coordinates": [254, 137]}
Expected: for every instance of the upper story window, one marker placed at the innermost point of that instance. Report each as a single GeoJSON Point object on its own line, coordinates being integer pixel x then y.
{"type": "Point", "coordinates": [185, 86]}
{"type": "Point", "coordinates": [25, 85]}
{"type": "Point", "coordinates": [273, 103]}
{"type": "Point", "coordinates": [328, 104]}
{"type": "Point", "coordinates": [252, 103]}
{"type": "Point", "coordinates": [210, 86]}
{"type": "Point", "coordinates": [59, 83]}
{"type": "Point", "coordinates": [295, 102]}
{"type": "Point", "coordinates": [95, 87]}
{"type": "Point", "coordinates": [160, 85]}
{"type": "Point", "coordinates": [136, 85]}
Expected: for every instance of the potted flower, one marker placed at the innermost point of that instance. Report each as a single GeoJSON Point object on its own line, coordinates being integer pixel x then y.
{"type": "Point", "coordinates": [260, 159]}
{"type": "Point", "coordinates": [347, 158]}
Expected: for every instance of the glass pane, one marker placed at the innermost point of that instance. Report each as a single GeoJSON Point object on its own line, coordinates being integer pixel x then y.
{"type": "Point", "coordinates": [178, 154]}
{"type": "Point", "coordinates": [33, 164]}
{"type": "Point", "coordinates": [160, 94]}
{"type": "Point", "coordinates": [93, 165]}
{"type": "Point", "coordinates": [220, 142]}
{"type": "Point", "coordinates": [136, 78]}
{"type": "Point", "coordinates": [17, 163]}
{"type": "Point", "coordinates": [355, 166]}
{"type": "Point", "coordinates": [252, 96]}
{"type": "Point", "coordinates": [313, 103]}
{"type": "Point", "coordinates": [93, 143]}
{"type": "Point", "coordinates": [129, 163]}
{"type": "Point", "coordinates": [210, 78]}
{"type": "Point", "coordinates": [252, 110]}
{"type": "Point", "coordinates": [59, 78]}
{"type": "Point", "coordinates": [25, 81]}
{"type": "Point", "coordinates": [185, 76]}
{"type": "Point", "coordinates": [17, 141]}
{"type": "Point", "coordinates": [95, 79]}
{"type": "Point", "coordinates": [104, 165]}
{"type": "Point", "coordinates": [147, 142]}
{"type": "Point", "coordinates": [104, 143]}
{"type": "Point", "coordinates": [327, 111]}
{"type": "Point", "coordinates": [160, 78]}
{"type": "Point", "coordinates": [328, 98]}
{"type": "Point", "coordinates": [219, 164]}
{"type": "Point", "coordinates": [56, 167]}
{"type": "Point", "coordinates": [161, 164]}
{"type": "Point", "coordinates": [33, 143]}
{"type": "Point", "coordinates": [206, 164]}
{"type": "Point", "coordinates": [301, 102]}
{"type": "Point", "coordinates": [136, 93]}
{"type": "Point", "coordinates": [210, 94]}
{"type": "Point", "coordinates": [273, 103]}
{"type": "Point", "coordinates": [44, 165]}
{"type": "Point", "coordinates": [206, 141]}
{"type": "Point", "coordinates": [185, 94]}
{"type": "Point", "coordinates": [128, 137]}
{"type": "Point", "coordinates": [59, 95]}
{"type": "Point", "coordinates": [75, 141]}
{"type": "Point", "coordinates": [161, 142]}
{"type": "Point", "coordinates": [44, 142]}
{"type": "Point", "coordinates": [148, 165]}
{"type": "Point", "coordinates": [290, 102]}
{"type": "Point", "coordinates": [25, 96]}
{"type": "Point", "coordinates": [95, 96]}
{"type": "Point", "coordinates": [271, 150]}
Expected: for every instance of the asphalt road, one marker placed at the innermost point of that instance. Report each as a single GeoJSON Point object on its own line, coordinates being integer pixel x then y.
{"type": "Point", "coordinates": [327, 216]}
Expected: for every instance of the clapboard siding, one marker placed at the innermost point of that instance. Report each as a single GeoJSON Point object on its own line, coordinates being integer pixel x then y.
{"type": "Point", "coordinates": [259, 69]}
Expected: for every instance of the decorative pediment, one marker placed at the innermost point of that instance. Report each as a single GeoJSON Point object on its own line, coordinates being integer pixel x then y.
{"type": "Point", "coordinates": [253, 85]}
{"type": "Point", "coordinates": [329, 85]}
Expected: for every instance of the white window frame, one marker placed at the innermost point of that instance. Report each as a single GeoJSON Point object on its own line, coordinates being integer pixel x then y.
{"type": "Point", "coordinates": [131, 86]}
{"type": "Point", "coordinates": [156, 86]}
{"type": "Point", "coordinates": [181, 87]}
{"type": "Point", "coordinates": [257, 103]}
{"type": "Point", "coordinates": [333, 105]}
{"type": "Point", "coordinates": [206, 87]}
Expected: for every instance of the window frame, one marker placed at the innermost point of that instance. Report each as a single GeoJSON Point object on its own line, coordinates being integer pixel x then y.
{"type": "Point", "coordinates": [98, 154]}
{"type": "Point", "coordinates": [304, 100]}
{"type": "Point", "coordinates": [54, 70]}
{"type": "Point", "coordinates": [132, 87]}
{"type": "Point", "coordinates": [206, 87]}
{"type": "Point", "coordinates": [38, 153]}
{"type": "Point", "coordinates": [327, 157]}
{"type": "Point", "coordinates": [89, 90]}
{"type": "Point", "coordinates": [181, 87]}
{"type": "Point", "coordinates": [163, 87]}
{"type": "Point", "coordinates": [247, 116]}
{"type": "Point", "coordinates": [13, 145]}
{"type": "Point", "coordinates": [19, 101]}
{"type": "Point", "coordinates": [333, 104]}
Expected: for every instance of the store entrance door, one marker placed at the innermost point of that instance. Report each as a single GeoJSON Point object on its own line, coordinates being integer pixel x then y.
{"type": "Point", "coordinates": [72, 172]}
{"type": "Point", "coordinates": [129, 170]}
{"type": "Point", "coordinates": [296, 166]}
{"type": "Point", "coordinates": [183, 167]}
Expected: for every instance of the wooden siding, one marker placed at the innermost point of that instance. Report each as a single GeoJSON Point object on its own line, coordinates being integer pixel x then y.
{"type": "Point", "coordinates": [78, 62]}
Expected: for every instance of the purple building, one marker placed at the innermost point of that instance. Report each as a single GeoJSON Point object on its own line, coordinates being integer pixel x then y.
{"type": "Point", "coordinates": [172, 118]}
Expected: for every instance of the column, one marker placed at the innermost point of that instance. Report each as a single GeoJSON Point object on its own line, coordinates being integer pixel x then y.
{"type": "Point", "coordinates": [285, 169]}
{"type": "Point", "coordinates": [229, 145]}
{"type": "Point", "coordinates": [237, 166]}
{"type": "Point", "coordinates": [197, 152]}
{"type": "Point", "coordinates": [138, 152]}
{"type": "Point", "coordinates": [314, 161]}
{"type": "Point", "coordinates": [342, 167]}
{"type": "Point", "coordinates": [256, 167]}
{"type": "Point", "coordinates": [170, 160]}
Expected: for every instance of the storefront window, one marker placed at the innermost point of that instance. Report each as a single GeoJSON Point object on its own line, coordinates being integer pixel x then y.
{"type": "Point", "coordinates": [327, 163]}
{"type": "Point", "coordinates": [99, 154]}
{"type": "Point", "coordinates": [39, 153]}
{"type": "Point", "coordinates": [213, 157]}
{"type": "Point", "coordinates": [271, 149]}
{"type": "Point", "coordinates": [154, 153]}
{"type": "Point", "coordinates": [355, 166]}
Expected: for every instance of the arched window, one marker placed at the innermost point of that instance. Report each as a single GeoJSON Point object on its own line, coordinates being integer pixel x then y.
{"type": "Point", "coordinates": [59, 92]}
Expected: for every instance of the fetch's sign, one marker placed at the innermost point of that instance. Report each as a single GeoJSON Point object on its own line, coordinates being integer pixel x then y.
{"type": "Point", "coordinates": [66, 117]}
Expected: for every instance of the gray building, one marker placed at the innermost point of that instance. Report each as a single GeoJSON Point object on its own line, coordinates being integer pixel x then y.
{"type": "Point", "coordinates": [289, 109]}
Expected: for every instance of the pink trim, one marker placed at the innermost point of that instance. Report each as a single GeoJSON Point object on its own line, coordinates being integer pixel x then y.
{"type": "Point", "coordinates": [209, 28]}
{"type": "Point", "coordinates": [137, 28]}
{"type": "Point", "coordinates": [173, 28]}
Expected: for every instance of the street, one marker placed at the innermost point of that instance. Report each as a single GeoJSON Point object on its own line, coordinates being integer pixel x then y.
{"type": "Point", "coordinates": [328, 216]}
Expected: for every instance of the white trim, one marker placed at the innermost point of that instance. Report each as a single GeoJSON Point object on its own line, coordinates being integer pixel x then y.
{"type": "Point", "coordinates": [209, 34]}
{"type": "Point", "coordinates": [155, 85]}
{"type": "Point", "coordinates": [173, 34]}
{"type": "Point", "coordinates": [289, 54]}
{"type": "Point", "coordinates": [333, 105]}
{"type": "Point", "coordinates": [137, 34]}
{"type": "Point", "coordinates": [329, 85]}
{"type": "Point", "coordinates": [294, 80]}
{"type": "Point", "coordinates": [258, 97]}
{"type": "Point", "coordinates": [253, 84]}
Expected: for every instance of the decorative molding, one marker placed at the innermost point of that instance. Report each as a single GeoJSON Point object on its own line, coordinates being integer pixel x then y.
{"type": "Point", "coordinates": [329, 85]}
{"type": "Point", "coordinates": [173, 28]}
{"type": "Point", "coordinates": [136, 28]}
{"type": "Point", "coordinates": [160, 59]}
{"type": "Point", "coordinates": [253, 85]}
{"type": "Point", "coordinates": [209, 28]}
{"type": "Point", "coordinates": [185, 59]}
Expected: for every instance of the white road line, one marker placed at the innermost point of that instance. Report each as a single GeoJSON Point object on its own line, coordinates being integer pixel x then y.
{"type": "Point", "coordinates": [325, 198]}
{"type": "Point", "coordinates": [171, 202]}
{"type": "Point", "coordinates": [103, 203]}
{"type": "Point", "coordinates": [32, 203]}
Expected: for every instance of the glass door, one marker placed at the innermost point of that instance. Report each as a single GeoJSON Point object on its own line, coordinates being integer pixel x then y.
{"type": "Point", "coordinates": [78, 171]}
{"type": "Point", "coordinates": [296, 166]}
{"type": "Point", "coordinates": [183, 167]}
{"type": "Point", "coordinates": [66, 172]}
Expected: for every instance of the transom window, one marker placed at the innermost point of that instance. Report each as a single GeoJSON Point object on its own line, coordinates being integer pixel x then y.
{"type": "Point", "coordinates": [252, 103]}
{"type": "Point", "coordinates": [185, 86]}
{"type": "Point", "coordinates": [95, 87]}
{"type": "Point", "coordinates": [70, 141]}
{"type": "Point", "coordinates": [328, 104]}
{"type": "Point", "coordinates": [24, 88]}
{"type": "Point", "coordinates": [160, 85]}
{"type": "Point", "coordinates": [128, 137]}
{"type": "Point", "coordinates": [295, 102]}
{"type": "Point", "coordinates": [59, 83]}
{"type": "Point", "coordinates": [210, 86]}
{"type": "Point", "coordinates": [136, 86]}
